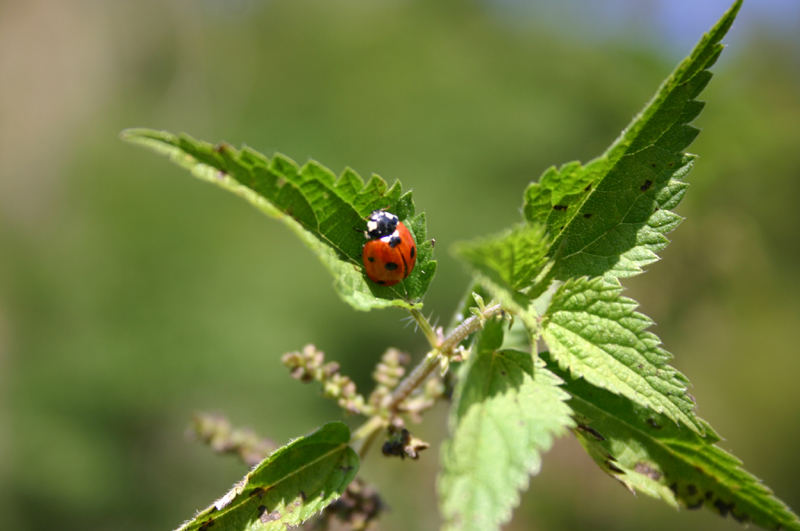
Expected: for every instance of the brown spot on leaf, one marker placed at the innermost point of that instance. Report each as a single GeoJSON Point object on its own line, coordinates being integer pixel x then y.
{"type": "Point", "coordinates": [646, 185]}
{"type": "Point", "coordinates": [652, 423]}
{"type": "Point", "coordinates": [588, 187]}
{"type": "Point", "coordinates": [269, 517]}
{"type": "Point", "coordinates": [205, 525]}
{"type": "Point", "coordinates": [587, 215]}
{"type": "Point", "coordinates": [647, 470]}
{"type": "Point", "coordinates": [559, 207]}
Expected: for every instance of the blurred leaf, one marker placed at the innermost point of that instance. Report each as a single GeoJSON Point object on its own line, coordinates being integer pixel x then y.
{"type": "Point", "coordinates": [651, 454]}
{"type": "Point", "coordinates": [288, 487]}
{"type": "Point", "coordinates": [506, 411]}
{"type": "Point", "coordinates": [609, 218]}
{"type": "Point", "coordinates": [325, 212]}
{"type": "Point", "coordinates": [596, 334]}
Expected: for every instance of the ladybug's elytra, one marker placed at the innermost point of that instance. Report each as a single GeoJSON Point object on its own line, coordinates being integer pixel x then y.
{"type": "Point", "coordinates": [390, 252]}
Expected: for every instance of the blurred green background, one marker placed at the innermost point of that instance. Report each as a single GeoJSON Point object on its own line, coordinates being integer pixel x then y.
{"type": "Point", "coordinates": [132, 295]}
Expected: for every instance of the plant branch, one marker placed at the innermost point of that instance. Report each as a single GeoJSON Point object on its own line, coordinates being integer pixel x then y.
{"type": "Point", "coordinates": [431, 360]}
{"type": "Point", "coordinates": [425, 325]}
{"type": "Point", "coordinates": [443, 348]}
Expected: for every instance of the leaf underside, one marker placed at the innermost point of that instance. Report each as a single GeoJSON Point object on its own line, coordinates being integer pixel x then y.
{"type": "Point", "coordinates": [649, 453]}
{"type": "Point", "coordinates": [326, 212]}
{"type": "Point", "coordinates": [290, 486]}
{"type": "Point", "coordinates": [508, 409]}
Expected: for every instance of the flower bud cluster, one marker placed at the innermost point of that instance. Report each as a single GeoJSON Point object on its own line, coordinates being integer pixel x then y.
{"type": "Point", "coordinates": [217, 432]}
{"type": "Point", "coordinates": [309, 366]}
{"type": "Point", "coordinates": [387, 375]}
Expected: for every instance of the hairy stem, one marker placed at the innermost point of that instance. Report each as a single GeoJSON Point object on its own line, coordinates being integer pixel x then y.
{"type": "Point", "coordinates": [427, 329]}
{"type": "Point", "coordinates": [420, 373]}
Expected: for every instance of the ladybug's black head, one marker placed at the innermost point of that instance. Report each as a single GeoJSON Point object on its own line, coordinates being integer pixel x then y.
{"type": "Point", "coordinates": [380, 223]}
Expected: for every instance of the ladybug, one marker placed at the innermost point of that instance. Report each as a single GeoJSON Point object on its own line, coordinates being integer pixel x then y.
{"type": "Point", "coordinates": [390, 252]}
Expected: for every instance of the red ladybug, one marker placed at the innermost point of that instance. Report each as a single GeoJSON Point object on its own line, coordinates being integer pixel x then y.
{"type": "Point", "coordinates": [390, 252]}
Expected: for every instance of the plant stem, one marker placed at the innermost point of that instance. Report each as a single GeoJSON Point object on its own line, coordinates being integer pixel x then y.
{"type": "Point", "coordinates": [427, 329]}
{"type": "Point", "coordinates": [431, 360]}
{"type": "Point", "coordinates": [369, 430]}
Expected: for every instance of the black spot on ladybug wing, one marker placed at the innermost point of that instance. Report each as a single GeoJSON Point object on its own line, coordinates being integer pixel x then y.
{"type": "Point", "coordinates": [371, 258]}
{"type": "Point", "coordinates": [412, 252]}
{"type": "Point", "coordinates": [391, 266]}
{"type": "Point", "coordinates": [395, 241]}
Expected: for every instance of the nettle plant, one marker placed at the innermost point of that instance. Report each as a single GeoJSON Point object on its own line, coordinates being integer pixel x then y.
{"type": "Point", "coordinates": [545, 345]}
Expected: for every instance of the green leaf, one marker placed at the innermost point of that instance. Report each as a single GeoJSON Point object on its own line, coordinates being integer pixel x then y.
{"type": "Point", "coordinates": [610, 217]}
{"type": "Point", "coordinates": [507, 265]}
{"type": "Point", "coordinates": [288, 487]}
{"type": "Point", "coordinates": [511, 259]}
{"type": "Point", "coordinates": [597, 334]}
{"type": "Point", "coordinates": [507, 411]}
{"type": "Point", "coordinates": [326, 212]}
{"type": "Point", "coordinates": [650, 454]}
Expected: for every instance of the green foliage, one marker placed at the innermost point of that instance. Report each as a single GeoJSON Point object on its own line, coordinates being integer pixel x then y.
{"type": "Point", "coordinates": [511, 260]}
{"type": "Point", "coordinates": [609, 217]}
{"type": "Point", "coordinates": [585, 227]}
{"type": "Point", "coordinates": [290, 486]}
{"type": "Point", "coordinates": [326, 213]}
{"type": "Point", "coordinates": [649, 453]}
{"type": "Point", "coordinates": [590, 226]}
{"type": "Point", "coordinates": [596, 333]}
{"type": "Point", "coordinates": [507, 409]}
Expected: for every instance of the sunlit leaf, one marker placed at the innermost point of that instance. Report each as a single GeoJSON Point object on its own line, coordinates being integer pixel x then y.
{"type": "Point", "coordinates": [597, 334]}
{"type": "Point", "coordinates": [610, 217]}
{"type": "Point", "coordinates": [290, 486]}
{"type": "Point", "coordinates": [327, 213]}
{"type": "Point", "coordinates": [507, 411]}
{"type": "Point", "coordinates": [649, 453]}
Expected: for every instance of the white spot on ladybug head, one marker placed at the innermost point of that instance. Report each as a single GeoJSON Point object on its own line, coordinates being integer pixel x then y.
{"type": "Point", "coordinates": [381, 223]}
